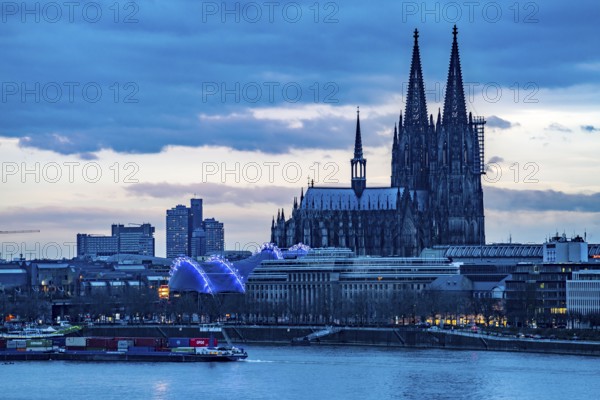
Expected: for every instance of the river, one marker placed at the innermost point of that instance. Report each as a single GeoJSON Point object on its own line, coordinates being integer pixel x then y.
{"type": "Point", "coordinates": [317, 372]}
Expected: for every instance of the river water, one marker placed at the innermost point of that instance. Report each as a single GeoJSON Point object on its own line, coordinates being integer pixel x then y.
{"type": "Point", "coordinates": [317, 372]}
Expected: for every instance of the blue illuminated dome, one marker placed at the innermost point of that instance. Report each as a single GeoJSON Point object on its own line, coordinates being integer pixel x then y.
{"type": "Point", "coordinates": [186, 275]}
{"type": "Point", "coordinates": [217, 274]}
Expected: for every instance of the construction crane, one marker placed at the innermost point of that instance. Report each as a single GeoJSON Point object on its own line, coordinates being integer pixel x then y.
{"type": "Point", "coordinates": [22, 231]}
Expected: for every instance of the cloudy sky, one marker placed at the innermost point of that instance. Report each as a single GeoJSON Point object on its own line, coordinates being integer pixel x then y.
{"type": "Point", "coordinates": [112, 112]}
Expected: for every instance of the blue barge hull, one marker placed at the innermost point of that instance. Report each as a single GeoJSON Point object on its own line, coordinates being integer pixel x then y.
{"type": "Point", "coordinates": [96, 356]}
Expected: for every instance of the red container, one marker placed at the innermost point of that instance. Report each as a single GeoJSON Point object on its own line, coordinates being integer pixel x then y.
{"type": "Point", "coordinates": [145, 342]}
{"type": "Point", "coordinates": [112, 344]}
{"type": "Point", "coordinates": [201, 342]}
{"type": "Point", "coordinates": [2, 344]}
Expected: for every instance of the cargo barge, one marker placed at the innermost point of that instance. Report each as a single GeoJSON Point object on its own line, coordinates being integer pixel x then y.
{"type": "Point", "coordinates": [119, 349]}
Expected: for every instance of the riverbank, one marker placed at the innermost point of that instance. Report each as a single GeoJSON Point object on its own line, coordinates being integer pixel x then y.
{"type": "Point", "coordinates": [384, 337]}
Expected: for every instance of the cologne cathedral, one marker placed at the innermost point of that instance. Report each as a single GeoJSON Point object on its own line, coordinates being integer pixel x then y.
{"type": "Point", "coordinates": [435, 196]}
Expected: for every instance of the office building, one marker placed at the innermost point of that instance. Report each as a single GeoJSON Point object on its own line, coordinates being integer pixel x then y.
{"type": "Point", "coordinates": [583, 294]}
{"type": "Point", "coordinates": [123, 240]}
{"type": "Point", "coordinates": [215, 236]}
{"type": "Point", "coordinates": [311, 285]}
{"type": "Point", "coordinates": [135, 239]}
{"type": "Point", "coordinates": [95, 246]}
{"type": "Point", "coordinates": [190, 235]}
{"type": "Point", "coordinates": [179, 231]}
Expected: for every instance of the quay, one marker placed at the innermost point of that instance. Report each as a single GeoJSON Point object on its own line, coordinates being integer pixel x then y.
{"type": "Point", "coordinates": [408, 337]}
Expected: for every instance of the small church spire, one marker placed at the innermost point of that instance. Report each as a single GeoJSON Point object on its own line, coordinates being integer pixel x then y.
{"type": "Point", "coordinates": [455, 111]}
{"type": "Point", "coordinates": [416, 105]}
{"type": "Point", "coordinates": [358, 153]}
{"type": "Point", "coordinates": [395, 144]}
{"type": "Point", "coordinates": [358, 165]}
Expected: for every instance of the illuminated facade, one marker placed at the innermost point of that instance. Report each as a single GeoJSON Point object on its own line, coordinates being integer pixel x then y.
{"type": "Point", "coordinates": [583, 293]}
{"type": "Point", "coordinates": [312, 285]}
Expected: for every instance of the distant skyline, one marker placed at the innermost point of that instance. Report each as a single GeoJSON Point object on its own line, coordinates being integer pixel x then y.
{"type": "Point", "coordinates": [115, 117]}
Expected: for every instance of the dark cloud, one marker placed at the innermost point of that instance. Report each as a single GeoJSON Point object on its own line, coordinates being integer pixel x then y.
{"type": "Point", "coordinates": [497, 122]}
{"type": "Point", "coordinates": [152, 75]}
{"type": "Point", "coordinates": [555, 126]}
{"type": "Point", "coordinates": [88, 156]}
{"type": "Point", "coordinates": [589, 128]}
{"type": "Point", "coordinates": [217, 193]}
{"type": "Point", "coordinates": [540, 200]}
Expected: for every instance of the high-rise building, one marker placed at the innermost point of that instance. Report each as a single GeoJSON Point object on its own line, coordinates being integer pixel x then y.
{"type": "Point", "coordinates": [96, 245]}
{"type": "Point", "coordinates": [198, 245]}
{"type": "Point", "coordinates": [123, 240]}
{"type": "Point", "coordinates": [179, 231]}
{"type": "Point", "coordinates": [196, 213]}
{"type": "Point", "coordinates": [215, 236]}
{"type": "Point", "coordinates": [435, 196]}
{"type": "Point", "coordinates": [191, 235]}
{"type": "Point", "coordinates": [135, 239]}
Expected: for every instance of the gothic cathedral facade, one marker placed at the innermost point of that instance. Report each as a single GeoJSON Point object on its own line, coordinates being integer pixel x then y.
{"type": "Point", "coordinates": [435, 196]}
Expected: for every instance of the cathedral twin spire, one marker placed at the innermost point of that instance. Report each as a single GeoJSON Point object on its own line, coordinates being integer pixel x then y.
{"type": "Point", "coordinates": [455, 111]}
{"type": "Point", "coordinates": [411, 141]}
{"type": "Point", "coordinates": [416, 104]}
{"type": "Point", "coordinates": [454, 102]}
{"type": "Point", "coordinates": [415, 142]}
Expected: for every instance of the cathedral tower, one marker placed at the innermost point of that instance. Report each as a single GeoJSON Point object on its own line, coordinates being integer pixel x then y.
{"type": "Point", "coordinates": [411, 169]}
{"type": "Point", "coordinates": [435, 196]}
{"type": "Point", "coordinates": [459, 195]}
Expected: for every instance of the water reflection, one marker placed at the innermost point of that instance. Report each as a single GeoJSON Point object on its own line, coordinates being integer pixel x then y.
{"type": "Point", "coordinates": [160, 390]}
